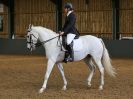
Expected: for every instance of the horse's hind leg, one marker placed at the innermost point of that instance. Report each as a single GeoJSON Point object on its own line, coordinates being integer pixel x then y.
{"type": "Point", "coordinates": [88, 61]}
{"type": "Point", "coordinates": [101, 69]}
{"type": "Point", "coordinates": [60, 67]}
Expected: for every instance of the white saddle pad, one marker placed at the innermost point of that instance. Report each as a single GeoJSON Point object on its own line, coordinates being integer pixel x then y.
{"type": "Point", "coordinates": [78, 46]}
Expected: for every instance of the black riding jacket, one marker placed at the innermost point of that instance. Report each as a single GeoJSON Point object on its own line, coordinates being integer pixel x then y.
{"type": "Point", "coordinates": [69, 26]}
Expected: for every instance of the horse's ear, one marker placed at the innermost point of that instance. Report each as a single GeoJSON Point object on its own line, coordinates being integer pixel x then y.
{"type": "Point", "coordinates": [29, 29]}
{"type": "Point", "coordinates": [30, 26]}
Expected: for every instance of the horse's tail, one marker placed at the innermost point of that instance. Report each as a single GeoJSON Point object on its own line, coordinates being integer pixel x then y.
{"type": "Point", "coordinates": [107, 62]}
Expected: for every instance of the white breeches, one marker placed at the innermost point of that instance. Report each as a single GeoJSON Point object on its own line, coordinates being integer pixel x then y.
{"type": "Point", "coordinates": [70, 38]}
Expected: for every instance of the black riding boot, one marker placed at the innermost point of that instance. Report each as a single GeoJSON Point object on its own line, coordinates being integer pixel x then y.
{"type": "Point", "coordinates": [69, 55]}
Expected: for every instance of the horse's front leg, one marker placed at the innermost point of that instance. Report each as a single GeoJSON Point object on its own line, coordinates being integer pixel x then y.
{"type": "Point", "coordinates": [48, 71]}
{"type": "Point", "coordinates": [63, 75]}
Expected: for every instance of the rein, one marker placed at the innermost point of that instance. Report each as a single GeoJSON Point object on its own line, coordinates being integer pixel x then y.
{"type": "Point", "coordinates": [43, 42]}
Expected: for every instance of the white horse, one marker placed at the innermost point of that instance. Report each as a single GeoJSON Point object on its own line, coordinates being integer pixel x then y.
{"type": "Point", "coordinates": [93, 48]}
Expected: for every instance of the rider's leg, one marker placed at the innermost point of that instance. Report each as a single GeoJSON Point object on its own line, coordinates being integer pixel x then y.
{"type": "Point", "coordinates": [70, 38]}
{"type": "Point", "coordinates": [70, 51]}
{"type": "Point", "coordinates": [69, 56]}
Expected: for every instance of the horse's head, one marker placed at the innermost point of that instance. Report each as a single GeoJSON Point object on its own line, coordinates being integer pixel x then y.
{"type": "Point", "coordinates": [32, 38]}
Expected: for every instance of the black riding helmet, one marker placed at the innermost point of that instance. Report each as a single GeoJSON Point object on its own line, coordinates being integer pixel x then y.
{"type": "Point", "coordinates": [68, 5]}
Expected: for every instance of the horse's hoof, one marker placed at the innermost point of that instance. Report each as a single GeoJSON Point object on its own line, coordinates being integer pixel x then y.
{"type": "Point", "coordinates": [64, 88]}
{"type": "Point", "coordinates": [41, 90]}
{"type": "Point", "coordinates": [89, 84]}
{"type": "Point", "coordinates": [101, 88]}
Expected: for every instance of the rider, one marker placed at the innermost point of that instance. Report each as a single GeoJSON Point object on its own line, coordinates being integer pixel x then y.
{"type": "Point", "coordinates": [69, 31]}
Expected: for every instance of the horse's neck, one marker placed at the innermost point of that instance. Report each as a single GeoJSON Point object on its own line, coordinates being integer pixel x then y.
{"type": "Point", "coordinates": [45, 34]}
{"type": "Point", "coordinates": [50, 45]}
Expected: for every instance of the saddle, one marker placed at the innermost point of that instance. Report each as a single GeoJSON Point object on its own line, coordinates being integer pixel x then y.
{"type": "Point", "coordinates": [76, 46]}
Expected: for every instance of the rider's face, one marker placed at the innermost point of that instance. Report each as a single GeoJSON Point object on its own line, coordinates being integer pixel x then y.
{"type": "Point", "coordinates": [65, 10]}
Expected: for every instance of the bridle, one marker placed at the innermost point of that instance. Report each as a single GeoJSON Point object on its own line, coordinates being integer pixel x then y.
{"type": "Point", "coordinates": [31, 42]}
